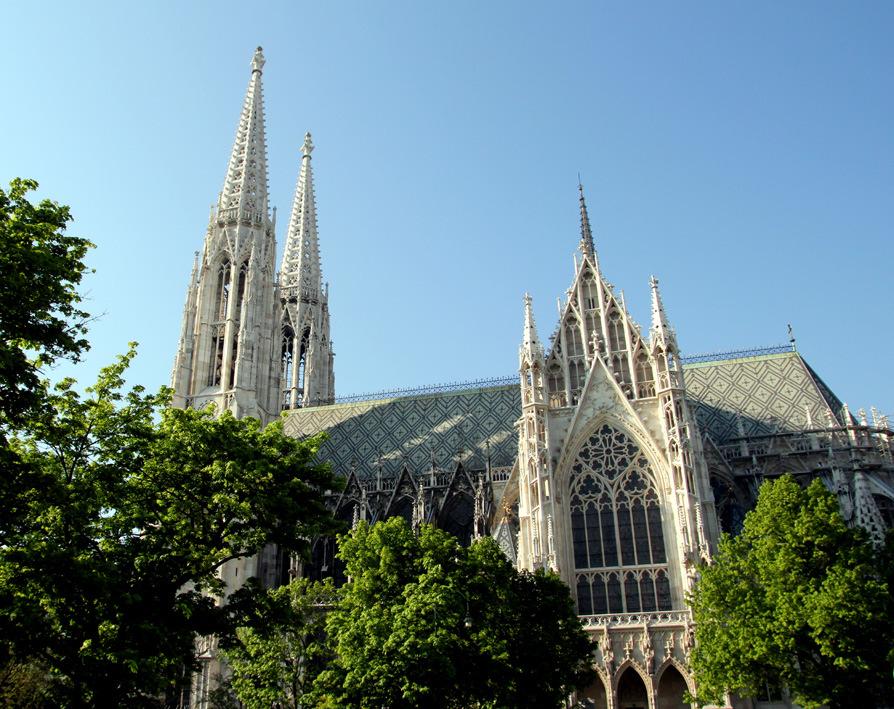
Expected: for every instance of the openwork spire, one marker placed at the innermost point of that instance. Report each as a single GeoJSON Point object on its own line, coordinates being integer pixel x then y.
{"type": "Point", "coordinates": [244, 196]}
{"type": "Point", "coordinates": [301, 259]}
{"type": "Point", "coordinates": [586, 234]}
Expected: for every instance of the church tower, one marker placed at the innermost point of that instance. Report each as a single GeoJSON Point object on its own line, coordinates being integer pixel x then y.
{"type": "Point", "coordinates": [226, 355]}
{"type": "Point", "coordinates": [306, 357]}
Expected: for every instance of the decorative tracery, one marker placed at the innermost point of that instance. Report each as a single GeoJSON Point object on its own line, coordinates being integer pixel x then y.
{"type": "Point", "coordinates": [619, 553]}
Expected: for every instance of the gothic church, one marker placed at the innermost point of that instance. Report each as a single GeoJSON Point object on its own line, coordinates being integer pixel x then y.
{"type": "Point", "coordinates": [610, 459]}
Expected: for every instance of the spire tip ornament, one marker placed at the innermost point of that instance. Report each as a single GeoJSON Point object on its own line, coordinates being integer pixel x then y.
{"type": "Point", "coordinates": [308, 146]}
{"type": "Point", "coordinates": [258, 61]}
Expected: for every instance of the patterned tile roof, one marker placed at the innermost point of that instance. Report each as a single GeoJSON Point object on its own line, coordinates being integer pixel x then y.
{"type": "Point", "coordinates": [410, 428]}
{"type": "Point", "coordinates": [770, 392]}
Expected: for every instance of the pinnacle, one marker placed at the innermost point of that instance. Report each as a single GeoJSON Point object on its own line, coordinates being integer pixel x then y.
{"type": "Point", "coordinates": [586, 234]}
{"type": "Point", "coordinates": [258, 61]}
{"type": "Point", "coordinates": [308, 146]}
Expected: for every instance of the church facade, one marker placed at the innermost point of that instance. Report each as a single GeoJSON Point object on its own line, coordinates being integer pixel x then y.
{"type": "Point", "coordinates": [611, 459]}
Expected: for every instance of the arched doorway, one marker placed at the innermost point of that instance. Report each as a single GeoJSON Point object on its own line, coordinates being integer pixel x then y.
{"type": "Point", "coordinates": [593, 697]}
{"type": "Point", "coordinates": [672, 690]}
{"type": "Point", "coordinates": [632, 691]}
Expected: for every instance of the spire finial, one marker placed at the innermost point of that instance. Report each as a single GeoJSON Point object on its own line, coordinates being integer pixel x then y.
{"type": "Point", "coordinates": [586, 234]}
{"type": "Point", "coordinates": [308, 146]}
{"type": "Point", "coordinates": [791, 338]}
{"type": "Point", "coordinates": [257, 61]}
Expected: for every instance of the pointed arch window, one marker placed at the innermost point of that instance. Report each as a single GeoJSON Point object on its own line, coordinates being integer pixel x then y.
{"type": "Point", "coordinates": [590, 293]}
{"type": "Point", "coordinates": [573, 341]}
{"type": "Point", "coordinates": [286, 360]}
{"type": "Point", "coordinates": [240, 288]}
{"type": "Point", "coordinates": [224, 275]}
{"type": "Point", "coordinates": [616, 331]}
{"type": "Point", "coordinates": [645, 377]}
{"type": "Point", "coordinates": [616, 528]}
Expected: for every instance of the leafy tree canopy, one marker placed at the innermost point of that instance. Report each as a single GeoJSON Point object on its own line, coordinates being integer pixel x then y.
{"type": "Point", "coordinates": [119, 514]}
{"type": "Point", "coordinates": [424, 622]}
{"type": "Point", "coordinates": [799, 600]}
{"type": "Point", "coordinates": [40, 320]}
{"type": "Point", "coordinates": [274, 661]}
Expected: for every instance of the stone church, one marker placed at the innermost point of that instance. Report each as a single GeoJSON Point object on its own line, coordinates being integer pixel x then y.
{"type": "Point", "coordinates": [610, 459]}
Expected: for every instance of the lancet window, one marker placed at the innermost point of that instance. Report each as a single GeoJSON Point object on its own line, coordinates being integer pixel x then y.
{"type": "Point", "coordinates": [240, 288]}
{"type": "Point", "coordinates": [223, 290]}
{"type": "Point", "coordinates": [590, 293]}
{"type": "Point", "coordinates": [615, 331]}
{"type": "Point", "coordinates": [217, 350]}
{"type": "Point", "coordinates": [286, 360]}
{"type": "Point", "coordinates": [616, 528]}
{"type": "Point", "coordinates": [573, 342]}
{"type": "Point", "coordinates": [645, 377]}
{"type": "Point", "coordinates": [556, 384]}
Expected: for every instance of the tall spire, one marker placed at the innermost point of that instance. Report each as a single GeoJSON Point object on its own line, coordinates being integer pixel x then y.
{"type": "Point", "coordinates": [301, 258]}
{"type": "Point", "coordinates": [586, 235]}
{"type": "Point", "coordinates": [244, 195]}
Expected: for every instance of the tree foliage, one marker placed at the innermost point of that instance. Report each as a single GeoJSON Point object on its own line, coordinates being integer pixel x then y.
{"type": "Point", "coordinates": [120, 513]}
{"type": "Point", "coordinates": [40, 320]}
{"type": "Point", "coordinates": [424, 622]}
{"type": "Point", "coordinates": [274, 661]}
{"type": "Point", "coordinates": [799, 600]}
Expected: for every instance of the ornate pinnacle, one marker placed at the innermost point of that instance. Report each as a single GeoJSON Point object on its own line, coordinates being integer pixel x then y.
{"type": "Point", "coordinates": [308, 146]}
{"type": "Point", "coordinates": [530, 341]}
{"type": "Point", "coordinates": [257, 61]}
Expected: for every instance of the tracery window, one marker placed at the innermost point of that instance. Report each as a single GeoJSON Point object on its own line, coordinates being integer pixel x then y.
{"type": "Point", "coordinates": [619, 552]}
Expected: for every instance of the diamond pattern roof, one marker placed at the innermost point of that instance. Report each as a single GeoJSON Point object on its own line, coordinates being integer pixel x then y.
{"type": "Point", "coordinates": [771, 393]}
{"type": "Point", "coordinates": [409, 429]}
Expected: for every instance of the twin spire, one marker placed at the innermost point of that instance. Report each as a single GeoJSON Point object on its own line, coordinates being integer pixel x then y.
{"type": "Point", "coordinates": [244, 195]}
{"type": "Point", "coordinates": [301, 259]}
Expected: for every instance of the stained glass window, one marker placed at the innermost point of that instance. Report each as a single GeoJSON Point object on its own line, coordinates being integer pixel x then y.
{"type": "Point", "coordinates": [619, 551]}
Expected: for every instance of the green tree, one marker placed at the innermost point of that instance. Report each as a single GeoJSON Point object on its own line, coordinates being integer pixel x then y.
{"type": "Point", "coordinates": [40, 320]}
{"type": "Point", "coordinates": [799, 600]}
{"type": "Point", "coordinates": [424, 622]}
{"type": "Point", "coordinates": [275, 660]}
{"type": "Point", "coordinates": [123, 514]}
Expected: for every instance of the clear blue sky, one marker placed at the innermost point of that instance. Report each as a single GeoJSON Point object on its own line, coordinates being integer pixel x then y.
{"type": "Point", "coordinates": [742, 152]}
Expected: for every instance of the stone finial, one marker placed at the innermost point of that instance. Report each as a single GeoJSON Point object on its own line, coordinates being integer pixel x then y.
{"type": "Point", "coordinates": [258, 61]}
{"type": "Point", "coordinates": [308, 146]}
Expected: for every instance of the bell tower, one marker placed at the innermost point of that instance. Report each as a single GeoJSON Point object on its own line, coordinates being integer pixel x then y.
{"type": "Point", "coordinates": [225, 355]}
